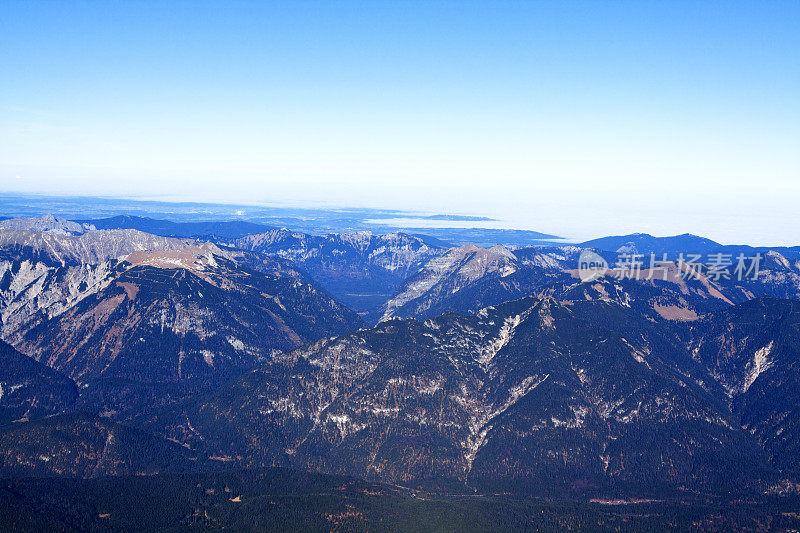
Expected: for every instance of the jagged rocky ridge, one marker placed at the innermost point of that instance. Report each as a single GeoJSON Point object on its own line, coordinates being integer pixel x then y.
{"type": "Point", "coordinates": [469, 278]}
{"type": "Point", "coordinates": [176, 316]}
{"type": "Point", "coordinates": [48, 223]}
{"type": "Point", "coordinates": [164, 323]}
{"type": "Point", "coordinates": [140, 327]}
{"type": "Point", "coordinates": [57, 248]}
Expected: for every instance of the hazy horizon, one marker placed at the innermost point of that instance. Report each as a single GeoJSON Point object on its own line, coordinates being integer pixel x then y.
{"type": "Point", "coordinates": [574, 228]}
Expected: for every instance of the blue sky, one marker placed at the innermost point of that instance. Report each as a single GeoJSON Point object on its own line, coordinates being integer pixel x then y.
{"type": "Point", "coordinates": [576, 118]}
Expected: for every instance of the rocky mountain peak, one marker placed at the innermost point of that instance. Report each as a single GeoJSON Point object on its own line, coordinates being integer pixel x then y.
{"type": "Point", "coordinates": [49, 223]}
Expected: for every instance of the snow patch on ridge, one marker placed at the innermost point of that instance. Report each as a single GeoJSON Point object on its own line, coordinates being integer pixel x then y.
{"type": "Point", "coordinates": [487, 353]}
{"type": "Point", "coordinates": [758, 365]}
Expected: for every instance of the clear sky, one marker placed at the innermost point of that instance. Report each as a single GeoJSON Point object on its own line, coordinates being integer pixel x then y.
{"type": "Point", "coordinates": [577, 118]}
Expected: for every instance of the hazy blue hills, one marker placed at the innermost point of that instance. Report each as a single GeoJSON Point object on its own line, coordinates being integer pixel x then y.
{"type": "Point", "coordinates": [319, 221]}
{"type": "Point", "coordinates": [644, 243]}
{"type": "Point", "coordinates": [231, 229]}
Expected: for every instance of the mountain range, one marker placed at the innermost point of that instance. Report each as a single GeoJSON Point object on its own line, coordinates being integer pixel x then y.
{"type": "Point", "coordinates": [394, 359]}
{"type": "Point", "coordinates": [645, 244]}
